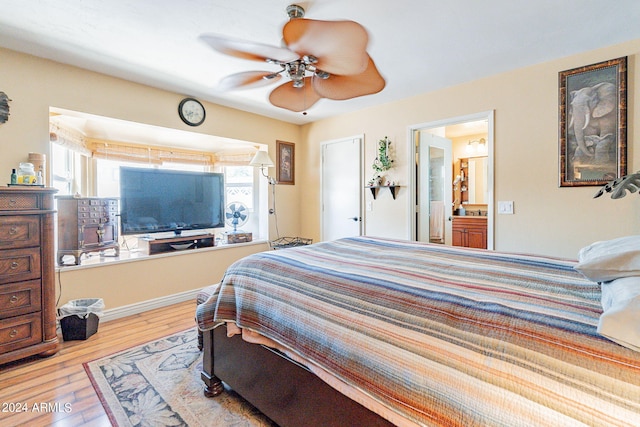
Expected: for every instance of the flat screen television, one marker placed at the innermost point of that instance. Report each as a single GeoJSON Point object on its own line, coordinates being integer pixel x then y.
{"type": "Point", "coordinates": [156, 200]}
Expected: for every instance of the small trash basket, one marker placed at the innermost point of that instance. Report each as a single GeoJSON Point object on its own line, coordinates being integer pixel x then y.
{"type": "Point", "coordinates": [79, 318]}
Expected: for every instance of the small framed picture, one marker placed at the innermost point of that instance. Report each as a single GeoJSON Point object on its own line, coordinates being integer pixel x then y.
{"type": "Point", "coordinates": [593, 123]}
{"type": "Point", "coordinates": [285, 163]}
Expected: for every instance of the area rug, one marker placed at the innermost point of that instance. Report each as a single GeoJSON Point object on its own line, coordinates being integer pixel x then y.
{"type": "Point", "coordinates": [158, 384]}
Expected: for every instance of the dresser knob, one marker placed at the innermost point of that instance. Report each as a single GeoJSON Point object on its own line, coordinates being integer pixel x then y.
{"type": "Point", "coordinates": [13, 333]}
{"type": "Point", "coordinates": [14, 265]}
{"type": "Point", "coordinates": [13, 202]}
{"type": "Point", "coordinates": [13, 230]}
{"type": "Point", "coordinates": [13, 299]}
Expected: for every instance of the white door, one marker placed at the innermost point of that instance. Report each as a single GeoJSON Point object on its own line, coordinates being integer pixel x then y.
{"type": "Point", "coordinates": [435, 160]}
{"type": "Point", "coordinates": [341, 189]}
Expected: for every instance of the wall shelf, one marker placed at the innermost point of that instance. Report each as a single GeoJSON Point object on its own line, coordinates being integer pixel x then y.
{"type": "Point", "coordinates": [374, 190]}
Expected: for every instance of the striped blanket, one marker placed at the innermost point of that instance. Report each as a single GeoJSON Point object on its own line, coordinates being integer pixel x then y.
{"type": "Point", "coordinates": [443, 336]}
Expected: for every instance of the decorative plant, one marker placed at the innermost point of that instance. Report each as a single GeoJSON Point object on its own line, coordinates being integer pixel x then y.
{"type": "Point", "coordinates": [619, 187]}
{"type": "Point", "coordinates": [382, 162]}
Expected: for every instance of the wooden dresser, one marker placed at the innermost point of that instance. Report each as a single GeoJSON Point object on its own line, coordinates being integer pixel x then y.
{"type": "Point", "coordinates": [86, 224]}
{"type": "Point", "coordinates": [27, 276]}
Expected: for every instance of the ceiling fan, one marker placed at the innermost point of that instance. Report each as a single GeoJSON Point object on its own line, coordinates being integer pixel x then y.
{"type": "Point", "coordinates": [322, 59]}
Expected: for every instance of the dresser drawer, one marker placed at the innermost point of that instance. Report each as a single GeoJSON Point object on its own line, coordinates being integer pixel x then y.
{"type": "Point", "coordinates": [23, 331]}
{"type": "Point", "coordinates": [19, 265]}
{"type": "Point", "coordinates": [19, 298]}
{"type": "Point", "coordinates": [12, 202]}
{"type": "Point", "coordinates": [97, 211]}
{"type": "Point", "coordinates": [19, 231]}
{"type": "Point", "coordinates": [96, 236]}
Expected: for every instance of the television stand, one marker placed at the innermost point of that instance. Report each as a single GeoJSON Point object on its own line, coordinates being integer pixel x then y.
{"type": "Point", "coordinates": [152, 246]}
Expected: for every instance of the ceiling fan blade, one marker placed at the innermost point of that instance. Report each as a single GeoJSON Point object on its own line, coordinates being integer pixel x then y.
{"type": "Point", "coordinates": [248, 80]}
{"type": "Point", "coordinates": [294, 98]}
{"type": "Point", "coordinates": [248, 50]}
{"type": "Point", "coordinates": [339, 46]}
{"type": "Point", "coordinates": [346, 87]}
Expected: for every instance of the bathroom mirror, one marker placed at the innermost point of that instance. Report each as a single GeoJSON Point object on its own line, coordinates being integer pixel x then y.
{"type": "Point", "coordinates": [477, 179]}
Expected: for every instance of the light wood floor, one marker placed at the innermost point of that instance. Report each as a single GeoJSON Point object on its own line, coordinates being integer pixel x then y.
{"type": "Point", "coordinates": [61, 379]}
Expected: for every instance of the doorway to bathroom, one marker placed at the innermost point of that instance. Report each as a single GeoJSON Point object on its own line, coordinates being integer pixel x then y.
{"type": "Point", "coordinates": [453, 177]}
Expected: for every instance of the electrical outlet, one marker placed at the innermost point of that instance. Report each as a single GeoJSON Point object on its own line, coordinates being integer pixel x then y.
{"type": "Point", "coordinates": [505, 208]}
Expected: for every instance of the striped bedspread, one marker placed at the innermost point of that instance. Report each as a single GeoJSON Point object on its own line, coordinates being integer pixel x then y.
{"type": "Point", "coordinates": [443, 336]}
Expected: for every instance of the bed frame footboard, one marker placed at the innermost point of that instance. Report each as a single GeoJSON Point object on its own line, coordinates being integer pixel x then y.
{"type": "Point", "coordinates": [285, 391]}
{"type": "Point", "coordinates": [212, 384]}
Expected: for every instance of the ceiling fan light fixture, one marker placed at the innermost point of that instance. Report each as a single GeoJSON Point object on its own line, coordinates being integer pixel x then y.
{"type": "Point", "coordinates": [297, 71]}
{"type": "Point", "coordinates": [322, 74]}
{"type": "Point", "coordinates": [272, 76]}
{"type": "Point", "coordinates": [294, 11]}
{"type": "Point", "coordinates": [310, 59]}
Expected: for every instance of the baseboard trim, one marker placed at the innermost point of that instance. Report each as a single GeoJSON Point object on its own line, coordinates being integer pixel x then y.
{"type": "Point", "coordinates": [140, 307]}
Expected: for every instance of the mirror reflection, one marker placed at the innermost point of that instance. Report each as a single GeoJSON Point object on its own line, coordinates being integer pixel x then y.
{"type": "Point", "coordinates": [471, 176]}
{"type": "Point", "coordinates": [477, 180]}
{"type": "Point", "coordinates": [471, 183]}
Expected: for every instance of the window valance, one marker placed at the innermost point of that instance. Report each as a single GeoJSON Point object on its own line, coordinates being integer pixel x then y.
{"type": "Point", "coordinates": [72, 139]}
{"type": "Point", "coordinates": [142, 153]}
{"type": "Point", "coordinates": [148, 154]}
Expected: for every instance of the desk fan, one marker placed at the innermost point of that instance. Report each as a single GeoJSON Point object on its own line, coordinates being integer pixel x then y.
{"type": "Point", "coordinates": [236, 215]}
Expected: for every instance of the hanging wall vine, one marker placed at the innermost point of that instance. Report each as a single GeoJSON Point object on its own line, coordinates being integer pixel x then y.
{"type": "Point", "coordinates": [383, 161]}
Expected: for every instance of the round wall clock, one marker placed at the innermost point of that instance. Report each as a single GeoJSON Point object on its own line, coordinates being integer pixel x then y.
{"type": "Point", "coordinates": [191, 112]}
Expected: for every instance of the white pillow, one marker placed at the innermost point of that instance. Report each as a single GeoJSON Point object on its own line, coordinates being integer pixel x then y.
{"type": "Point", "coordinates": [620, 321]}
{"type": "Point", "coordinates": [610, 259]}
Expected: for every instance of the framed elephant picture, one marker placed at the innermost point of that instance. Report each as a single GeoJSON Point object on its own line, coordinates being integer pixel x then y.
{"type": "Point", "coordinates": [593, 123]}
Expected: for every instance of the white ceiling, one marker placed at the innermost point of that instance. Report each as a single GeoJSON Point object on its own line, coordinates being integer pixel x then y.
{"type": "Point", "coordinates": [418, 45]}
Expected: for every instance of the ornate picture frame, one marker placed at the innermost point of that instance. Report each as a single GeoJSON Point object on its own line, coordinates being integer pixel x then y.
{"type": "Point", "coordinates": [285, 163]}
{"type": "Point", "coordinates": [593, 123]}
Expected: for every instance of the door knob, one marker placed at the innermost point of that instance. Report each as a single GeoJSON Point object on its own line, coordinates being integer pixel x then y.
{"type": "Point", "coordinates": [355, 219]}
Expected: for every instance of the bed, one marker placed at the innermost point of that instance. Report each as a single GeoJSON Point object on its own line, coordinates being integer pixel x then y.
{"type": "Point", "coordinates": [371, 331]}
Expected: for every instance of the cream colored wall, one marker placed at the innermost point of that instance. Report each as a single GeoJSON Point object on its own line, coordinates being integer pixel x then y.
{"type": "Point", "coordinates": [35, 84]}
{"type": "Point", "coordinates": [548, 219]}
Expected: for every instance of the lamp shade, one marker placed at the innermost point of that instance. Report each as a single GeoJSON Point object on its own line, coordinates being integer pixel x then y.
{"type": "Point", "coordinates": [261, 160]}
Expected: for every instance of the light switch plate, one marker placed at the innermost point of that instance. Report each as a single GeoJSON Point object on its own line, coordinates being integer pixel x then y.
{"type": "Point", "coordinates": [505, 208]}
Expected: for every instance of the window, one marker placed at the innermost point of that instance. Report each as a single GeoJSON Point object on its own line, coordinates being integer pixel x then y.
{"type": "Point", "coordinates": [239, 185]}
{"type": "Point", "coordinates": [88, 165]}
{"type": "Point", "coordinates": [62, 169]}
{"type": "Point", "coordinates": [108, 174]}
